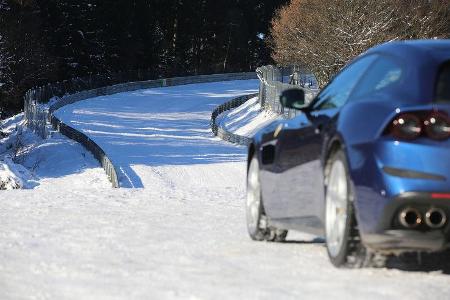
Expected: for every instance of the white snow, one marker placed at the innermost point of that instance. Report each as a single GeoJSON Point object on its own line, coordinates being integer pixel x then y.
{"type": "Point", "coordinates": [247, 119]}
{"type": "Point", "coordinates": [14, 176]}
{"type": "Point", "coordinates": [183, 235]}
{"type": "Point", "coordinates": [149, 131]}
{"type": "Point", "coordinates": [27, 161]}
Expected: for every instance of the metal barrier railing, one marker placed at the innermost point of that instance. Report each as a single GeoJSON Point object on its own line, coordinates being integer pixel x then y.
{"type": "Point", "coordinates": [39, 101]}
{"type": "Point", "coordinates": [43, 94]}
{"type": "Point", "coordinates": [90, 145]}
{"type": "Point", "coordinates": [39, 108]}
{"type": "Point", "coordinates": [273, 82]}
{"type": "Point", "coordinates": [222, 132]}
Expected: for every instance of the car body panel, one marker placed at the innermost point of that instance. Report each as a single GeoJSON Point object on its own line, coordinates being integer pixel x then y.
{"type": "Point", "coordinates": [293, 153]}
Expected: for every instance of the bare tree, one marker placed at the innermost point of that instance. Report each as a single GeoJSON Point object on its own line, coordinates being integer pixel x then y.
{"type": "Point", "coordinates": [324, 35]}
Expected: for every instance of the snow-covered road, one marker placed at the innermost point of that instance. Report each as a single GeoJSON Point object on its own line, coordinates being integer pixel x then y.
{"type": "Point", "coordinates": [183, 235]}
{"type": "Point", "coordinates": [149, 130]}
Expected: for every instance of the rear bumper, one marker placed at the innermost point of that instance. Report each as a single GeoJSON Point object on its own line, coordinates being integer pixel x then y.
{"type": "Point", "coordinates": [383, 231]}
{"type": "Point", "coordinates": [389, 176]}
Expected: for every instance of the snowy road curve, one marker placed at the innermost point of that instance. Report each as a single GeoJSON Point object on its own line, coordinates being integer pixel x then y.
{"type": "Point", "coordinates": [149, 131]}
{"type": "Point", "coordinates": [182, 235]}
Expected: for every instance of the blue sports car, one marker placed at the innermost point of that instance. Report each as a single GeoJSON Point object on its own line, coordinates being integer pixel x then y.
{"type": "Point", "coordinates": [367, 163]}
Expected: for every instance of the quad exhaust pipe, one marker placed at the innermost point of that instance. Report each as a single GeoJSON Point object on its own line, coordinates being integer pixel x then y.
{"type": "Point", "coordinates": [410, 218]}
{"type": "Point", "coordinates": [434, 218]}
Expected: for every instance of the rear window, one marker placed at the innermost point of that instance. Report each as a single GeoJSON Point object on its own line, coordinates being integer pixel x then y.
{"type": "Point", "coordinates": [443, 84]}
{"type": "Point", "coordinates": [384, 73]}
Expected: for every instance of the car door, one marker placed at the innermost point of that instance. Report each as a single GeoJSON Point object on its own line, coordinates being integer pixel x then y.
{"type": "Point", "coordinates": [296, 190]}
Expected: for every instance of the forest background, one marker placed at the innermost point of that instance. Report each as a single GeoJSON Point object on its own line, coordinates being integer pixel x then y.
{"type": "Point", "coordinates": [44, 41]}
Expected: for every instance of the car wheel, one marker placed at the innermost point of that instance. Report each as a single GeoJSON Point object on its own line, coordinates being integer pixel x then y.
{"type": "Point", "coordinates": [257, 226]}
{"type": "Point", "coordinates": [343, 241]}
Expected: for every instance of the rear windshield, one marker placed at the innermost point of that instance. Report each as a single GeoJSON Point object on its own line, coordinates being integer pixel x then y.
{"type": "Point", "coordinates": [443, 84]}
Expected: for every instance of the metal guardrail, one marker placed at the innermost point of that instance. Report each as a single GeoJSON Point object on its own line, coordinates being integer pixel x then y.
{"type": "Point", "coordinates": [41, 102]}
{"type": "Point", "coordinates": [90, 145]}
{"type": "Point", "coordinates": [222, 132]}
{"type": "Point", "coordinates": [133, 86]}
{"type": "Point", "coordinates": [273, 83]}
{"type": "Point", "coordinates": [39, 113]}
{"type": "Point", "coordinates": [41, 95]}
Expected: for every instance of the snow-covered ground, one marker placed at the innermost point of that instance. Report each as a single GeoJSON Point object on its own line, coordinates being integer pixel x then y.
{"type": "Point", "coordinates": [247, 119]}
{"type": "Point", "coordinates": [27, 161]}
{"type": "Point", "coordinates": [183, 235]}
{"type": "Point", "coordinates": [150, 133]}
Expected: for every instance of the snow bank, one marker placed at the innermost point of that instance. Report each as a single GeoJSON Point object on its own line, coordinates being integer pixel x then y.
{"type": "Point", "coordinates": [247, 119]}
{"type": "Point", "coordinates": [27, 161]}
{"type": "Point", "coordinates": [14, 176]}
{"type": "Point", "coordinates": [7, 126]}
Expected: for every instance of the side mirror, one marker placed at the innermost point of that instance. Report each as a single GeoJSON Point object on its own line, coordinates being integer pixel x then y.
{"type": "Point", "coordinates": [293, 98]}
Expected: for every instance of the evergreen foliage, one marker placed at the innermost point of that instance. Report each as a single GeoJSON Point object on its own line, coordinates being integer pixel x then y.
{"type": "Point", "coordinates": [44, 41]}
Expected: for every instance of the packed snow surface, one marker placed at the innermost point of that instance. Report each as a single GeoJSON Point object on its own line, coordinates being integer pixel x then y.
{"type": "Point", "coordinates": [147, 132]}
{"type": "Point", "coordinates": [183, 235]}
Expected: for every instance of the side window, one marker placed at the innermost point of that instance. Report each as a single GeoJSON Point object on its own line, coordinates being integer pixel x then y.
{"type": "Point", "coordinates": [384, 73]}
{"type": "Point", "coordinates": [443, 84]}
{"type": "Point", "coordinates": [338, 91]}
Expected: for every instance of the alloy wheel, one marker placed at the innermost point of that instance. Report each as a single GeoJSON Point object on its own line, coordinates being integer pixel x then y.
{"type": "Point", "coordinates": [336, 208]}
{"type": "Point", "coordinates": [253, 203]}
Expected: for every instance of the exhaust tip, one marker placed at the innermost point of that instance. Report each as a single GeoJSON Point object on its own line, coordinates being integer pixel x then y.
{"type": "Point", "coordinates": [435, 218]}
{"type": "Point", "coordinates": [410, 217]}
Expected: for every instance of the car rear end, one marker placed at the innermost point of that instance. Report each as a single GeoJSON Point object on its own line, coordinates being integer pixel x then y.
{"type": "Point", "coordinates": [406, 206]}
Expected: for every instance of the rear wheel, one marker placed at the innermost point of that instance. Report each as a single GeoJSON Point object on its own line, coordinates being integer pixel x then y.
{"type": "Point", "coordinates": [342, 236]}
{"type": "Point", "coordinates": [257, 226]}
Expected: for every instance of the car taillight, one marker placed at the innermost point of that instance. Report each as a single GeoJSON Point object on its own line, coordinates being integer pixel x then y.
{"type": "Point", "coordinates": [437, 126]}
{"type": "Point", "coordinates": [409, 126]}
{"type": "Point", "coordinates": [406, 127]}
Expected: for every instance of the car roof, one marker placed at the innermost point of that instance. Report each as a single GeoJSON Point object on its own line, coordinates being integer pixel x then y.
{"type": "Point", "coordinates": [436, 51]}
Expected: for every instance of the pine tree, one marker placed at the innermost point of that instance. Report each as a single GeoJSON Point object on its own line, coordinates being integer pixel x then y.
{"type": "Point", "coordinates": [53, 40]}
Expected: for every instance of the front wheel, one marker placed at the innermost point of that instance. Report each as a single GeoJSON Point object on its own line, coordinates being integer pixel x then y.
{"type": "Point", "coordinates": [257, 226]}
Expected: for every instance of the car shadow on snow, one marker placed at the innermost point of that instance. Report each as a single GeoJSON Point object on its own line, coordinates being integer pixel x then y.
{"type": "Point", "coordinates": [306, 242]}
{"type": "Point", "coordinates": [421, 262]}
{"type": "Point", "coordinates": [408, 262]}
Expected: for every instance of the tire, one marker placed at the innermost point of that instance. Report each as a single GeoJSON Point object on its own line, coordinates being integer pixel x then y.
{"type": "Point", "coordinates": [343, 241]}
{"type": "Point", "coordinates": [257, 226]}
